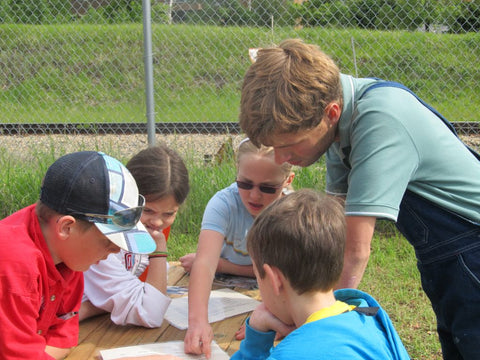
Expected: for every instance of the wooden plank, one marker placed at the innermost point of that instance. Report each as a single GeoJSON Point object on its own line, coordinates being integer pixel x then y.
{"type": "Point", "coordinates": [89, 325]}
{"type": "Point", "coordinates": [87, 348]}
{"type": "Point", "coordinates": [224, 332]}
{"type": "Point", "coordinates": [83, 351]}
{"type": "Point", "coordinates": [149, 336]}
{"type": "Point", "coordinates": [100, 332]}
{"type": "Point", "coordinates": [172, 333]}
{"type": "Point", "coordinates": [176, 273]}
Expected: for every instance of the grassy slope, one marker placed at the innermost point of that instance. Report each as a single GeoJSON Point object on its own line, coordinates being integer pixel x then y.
{"type": "Point", "coordinates": [88, 73]}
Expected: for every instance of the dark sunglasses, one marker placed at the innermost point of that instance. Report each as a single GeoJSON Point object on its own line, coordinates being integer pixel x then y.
{"type": "Point", "coordinates": [126, 218]}
{"type": "Point", "coordinates": [267, 189]}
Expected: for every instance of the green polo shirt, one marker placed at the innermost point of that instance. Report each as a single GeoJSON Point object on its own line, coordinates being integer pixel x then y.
{"type": "Point", "coordinates": [390, 142]}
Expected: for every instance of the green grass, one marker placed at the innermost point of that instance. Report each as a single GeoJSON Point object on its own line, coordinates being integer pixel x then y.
{"type": "Point", "coordinates": [391, 275]}
{"type": "Point", "coordinates": [94, 73]}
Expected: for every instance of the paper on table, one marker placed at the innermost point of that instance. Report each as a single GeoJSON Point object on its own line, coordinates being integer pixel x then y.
{"type": "Point", "coordinates": [223, 303]}
{"type": "Point", "coordinates": [165, 348]}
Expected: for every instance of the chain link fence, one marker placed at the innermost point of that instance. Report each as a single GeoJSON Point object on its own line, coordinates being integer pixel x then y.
{"type": "Point", "coordinates": [77, 66]}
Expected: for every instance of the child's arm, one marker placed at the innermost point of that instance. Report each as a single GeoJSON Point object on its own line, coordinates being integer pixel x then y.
{"type": "Point", "coordinates": [199, 334]}
{"type": "Point", "coordinates": [263, 320]}
{"type": "Point", "coordinates": [261, 330]}
{"type": "Point", "coordinates": [111, 287]}
{"type": "Point", "coordinates": [227, 267]}
{"type": "Point", "coordinates": [57, 353]}
{"type": "Point", "coordinates": [224, 266]}
{"type": "Point", "coordinates": [157, 273]}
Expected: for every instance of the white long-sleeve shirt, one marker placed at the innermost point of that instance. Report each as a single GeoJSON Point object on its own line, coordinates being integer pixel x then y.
{"type": "Point", "coordinates": [113, 285]}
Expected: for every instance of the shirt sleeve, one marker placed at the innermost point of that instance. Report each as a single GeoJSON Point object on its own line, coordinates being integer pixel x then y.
{"type": "Point", "coordinates": [109, 286]}
{"type": "Point", "coordinates": [217, 214]}
{"type": "Point", "coordinates": [256, 345]}
{"type": "Point", "coordinates": [383, 159]}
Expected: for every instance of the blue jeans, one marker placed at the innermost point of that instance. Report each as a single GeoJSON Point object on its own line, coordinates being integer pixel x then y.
{"type": "Point", "coordinates": [448, 258]}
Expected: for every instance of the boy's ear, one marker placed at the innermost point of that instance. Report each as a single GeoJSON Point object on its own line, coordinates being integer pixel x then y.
{"type": "Point", "coordinates": [275, 277]}
{"type": "Point", "coordinates": [290, 178]}
{"type": "Point", "coordinates": [64, 226]}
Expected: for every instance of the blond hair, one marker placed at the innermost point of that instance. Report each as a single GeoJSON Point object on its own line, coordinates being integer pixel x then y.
{"type": "Point", "coordinates": [247, 147]}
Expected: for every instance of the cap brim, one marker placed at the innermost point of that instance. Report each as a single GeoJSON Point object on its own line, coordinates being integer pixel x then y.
{"type": "Point", "coordinates": [136, 240]}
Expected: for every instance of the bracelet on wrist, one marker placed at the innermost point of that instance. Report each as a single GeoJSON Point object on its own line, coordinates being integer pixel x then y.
{"type": "Point", "coordinates": [158, 254]}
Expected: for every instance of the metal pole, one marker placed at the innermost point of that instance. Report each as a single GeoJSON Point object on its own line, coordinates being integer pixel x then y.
{"type": "Point", "coordinates": [354, 57]}
{"type": "Point", "coordinates": [170, 4]}
{"type": "Point", "coordinates": [147, 57]}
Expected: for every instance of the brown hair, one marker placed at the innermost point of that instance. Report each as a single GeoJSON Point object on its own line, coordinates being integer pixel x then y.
{"type": "Point", "coordinates": [287, 89]}
{"type": "Point", "coordinates": [44, 214]}
{"type": "Point", "coordinates": [159, 172]}
{"type": "Point", "coordinates": [303, 235]}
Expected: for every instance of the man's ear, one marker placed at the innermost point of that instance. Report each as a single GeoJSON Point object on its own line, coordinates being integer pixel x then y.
{"type": "Point", "coordinates": [333, 112]}
{"type": "Point", "coordinates": [275, 277]}
{"type": "Point", "coordinates": [64, 226]}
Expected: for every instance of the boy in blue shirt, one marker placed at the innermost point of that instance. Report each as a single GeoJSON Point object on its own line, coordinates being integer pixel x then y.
{"type": "Point", "coordinates": [296, 245]}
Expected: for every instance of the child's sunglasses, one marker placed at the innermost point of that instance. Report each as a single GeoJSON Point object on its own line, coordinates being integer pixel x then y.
{"type": "Point", "coordinates": [126, 218]}
{"type": "Point", "coordinates": [267, 189]}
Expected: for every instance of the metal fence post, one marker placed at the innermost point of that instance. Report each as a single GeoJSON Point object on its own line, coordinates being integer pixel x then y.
{"type": "Point", "coordinates": [147, 51]}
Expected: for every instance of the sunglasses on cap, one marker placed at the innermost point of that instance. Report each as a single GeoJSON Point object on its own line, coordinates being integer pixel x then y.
{"type": "Point", "coordinates": [126, 218]}
{"type": "Point", "coordinates": [267, 189]}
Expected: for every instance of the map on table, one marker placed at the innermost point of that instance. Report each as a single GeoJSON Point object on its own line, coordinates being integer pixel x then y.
{"type": "Point", "coordinates": [223, 303]}
{"type": "Point", "coordinates": [165, 348]}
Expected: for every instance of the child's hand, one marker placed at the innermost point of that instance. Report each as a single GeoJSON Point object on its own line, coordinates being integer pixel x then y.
{"type": "Point", "coordinates": [159, 238]}
{"type": "Point", "coordinates": [263, 320]}
{"type": "Point", "coordinates": [187, 261]}
{"type": "Point", "coordinates": [240, 334]}
{"type": "Point", "coordinates": [198, 339]}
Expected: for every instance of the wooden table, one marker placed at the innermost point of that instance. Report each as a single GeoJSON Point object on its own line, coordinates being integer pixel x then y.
{"type": "Point", "coordinates": [100, 332]}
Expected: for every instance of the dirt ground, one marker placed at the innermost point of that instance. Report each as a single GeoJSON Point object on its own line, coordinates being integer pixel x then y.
{"type": "Point", "coordinates": [198, 147]}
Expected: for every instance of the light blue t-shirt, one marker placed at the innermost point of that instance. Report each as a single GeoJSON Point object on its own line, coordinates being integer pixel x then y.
{"type": "Point", "coordinates": [226, 214]}
{"type": "Point", "coordinates": [390, 142]}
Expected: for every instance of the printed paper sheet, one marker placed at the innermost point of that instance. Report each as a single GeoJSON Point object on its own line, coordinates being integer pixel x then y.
{"type": "Point", "coordinates": [223, 303]}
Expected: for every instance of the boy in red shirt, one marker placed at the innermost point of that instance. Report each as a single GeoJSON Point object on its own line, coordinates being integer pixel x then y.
{"type": "Point", "coordinates": [89, 207]}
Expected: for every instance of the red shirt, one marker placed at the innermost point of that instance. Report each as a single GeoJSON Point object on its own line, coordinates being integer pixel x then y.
{"type": "Point", "coordinates": [38, 299]}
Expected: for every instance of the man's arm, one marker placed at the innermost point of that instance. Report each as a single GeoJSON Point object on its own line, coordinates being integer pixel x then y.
{"type": "Point", "coordinates": [357, 250]}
